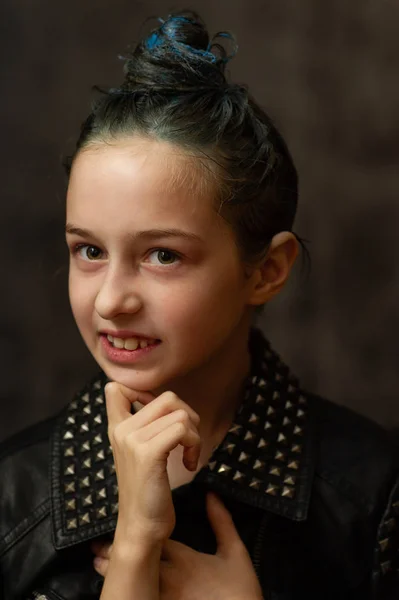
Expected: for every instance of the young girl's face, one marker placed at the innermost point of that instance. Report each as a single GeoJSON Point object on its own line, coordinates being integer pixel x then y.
{"type": "Point", "coordinates": [150, 259]}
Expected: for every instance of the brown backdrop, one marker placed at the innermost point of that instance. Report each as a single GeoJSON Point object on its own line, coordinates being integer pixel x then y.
{"type": "Point", "coordinates": [327, 71]}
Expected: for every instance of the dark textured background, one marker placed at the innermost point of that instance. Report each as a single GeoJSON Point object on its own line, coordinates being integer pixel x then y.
{"type": "Point", "coordinates": [327, 71]}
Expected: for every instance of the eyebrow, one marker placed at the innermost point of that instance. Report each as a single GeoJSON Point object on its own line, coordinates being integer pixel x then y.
{"type": "Point", "coordinates": [146, 234]}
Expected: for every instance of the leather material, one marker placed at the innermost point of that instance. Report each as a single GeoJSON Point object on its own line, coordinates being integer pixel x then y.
{"type": "Point", "coordinates": [311, 487]}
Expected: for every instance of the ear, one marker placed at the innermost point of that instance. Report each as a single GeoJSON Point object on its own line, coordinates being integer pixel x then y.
{"type": "Point", "coordinates": [270, 275]}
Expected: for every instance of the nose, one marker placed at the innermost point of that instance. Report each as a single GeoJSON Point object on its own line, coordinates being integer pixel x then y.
{"type": "Point", "coordinates": [117, 295]}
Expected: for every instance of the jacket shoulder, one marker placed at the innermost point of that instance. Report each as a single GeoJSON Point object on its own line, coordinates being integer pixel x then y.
{"type": "Point", "coordinates": [24, 467]}
{"type": "Point", "coordinates": [354, 454]}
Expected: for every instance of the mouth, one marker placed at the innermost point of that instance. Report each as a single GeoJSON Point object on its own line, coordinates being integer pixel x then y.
{"type": "Point", "coordinates": [129, 342]}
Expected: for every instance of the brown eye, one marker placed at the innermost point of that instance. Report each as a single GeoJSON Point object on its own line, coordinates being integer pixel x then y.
{"type": "Point", "coordinates": [166, 257]}
{"type": "Point", "coordinates": [89, 252]}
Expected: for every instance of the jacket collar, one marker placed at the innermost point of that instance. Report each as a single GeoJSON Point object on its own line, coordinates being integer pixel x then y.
{"type": "Point", "coordinates": [265, 460]}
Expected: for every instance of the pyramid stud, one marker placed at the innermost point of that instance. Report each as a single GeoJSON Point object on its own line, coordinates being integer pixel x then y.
{"type": "Point", "coordinates": [98, 439]}
{"type": "Point", "coordinates": [114, 508]}
{"type": "Point", "coordinates": [262, 443]}
{"type": "Point", "coordinates": [97, 385]}
{"type": "Point", "coordinates": [88, 500]}
{"type": "Point", "coordinates": [85, 447]}
{"type": "Point", "coordinates": [101, 512]}
{"type": "Point", "coordinates": [286, 421]}
{"type": "Point", "coordinates": [281, 438]}
{"type": "Point", "coordinates": [272, 490]}
{"type": "Point", "coordinates": [70, 470]}
{"type": "Point", "coordinates": [86, 397]}
{"type": "Point", "coordinates": [70, 504]}
{"type": "Point", "coordinates": [98, 419]}
{"type": "Point", "coordinates": [288, 492]}
{"type": "Point", "coordinates": [99, 400]}
{"type": "Point", "coordinates": [84, 427]}
{"type": "Point", "coordinates": [212, 465]}
{"type": "Point", "coordinates": [279, 455]}
{"type": "Point", "coordinates": [262, 383]}
{"type": "Point", "coordinates": [275, 471]}
{"type": "Point", "coordinates": [70, 487]}
{"type": "Point", "coordinates": [270, 411]}
{"type": "Point", "coordinates": [291, 388]}
{"type": "Point", "coordinates": [115, 489]}
{"type": "Point", "coordinates": [244, 457]}
{"type": "Point", "coordinates": [268, 425]}
{"type": "Point", "coordinates": [238, 476]}
{"type": "Point", "coordinates": [229, 447]}
{"type": "Point", "coordinates": [260, 399]}
{"type": "Point", "coordinates": [255, 483]}
{"type": "Point", "coordinates": [100, 455]}
{"type": "Point", "coordinates": [102, 493]}
{"type": "Point", "coordinates": [84, 519]}
{"type": "Point", "coordinates": [296, 448]}
{"type": "Point", "coordinates": [70, 451]}
{"type": "Point", "coordinates": [72, 524]}
{"type": "Point", "coordinates": [112, 468]}
{"type": "Point", "coordinates": [258, 465]}
{"type": "Point", "coordinates": [85, 482]}
{"type": "Point", "coordinates": [290, 479]}
{"type": "Point", "coordinates": [68, 435]}
{"type": "Point", "coordinates": [288, 404]}
{"type": "Point", "coordinates": [276, 395]}
{"type": "Point", "coordinates": [300, 412]}
{"type": "Point", "coordinates": [224, 468]}
{"type": "Point", "coordinates": [87, 409]}
{"type": "Point", "coordinates": [87, 463]}
{"type": "Point", "coordinates": [253, 418]}
{"type": "Point", "coordinates": [294, 464]}
{"type": "Point", "coordinates": [73, 405]}
{"type": "Point", "coordinates": [99, 475]}
{"type": "Point", "coordinates": [298, 430]}
{"type": "Point", "coordinates": [71, 420]}
{"type": "Point", "coordinates": [236, 429]}
{"type": "Point", "coordinates": [249, 436]}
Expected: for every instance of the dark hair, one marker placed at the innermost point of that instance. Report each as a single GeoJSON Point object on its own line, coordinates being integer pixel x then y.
{"type": "Point", "coordinates": [175, 89]}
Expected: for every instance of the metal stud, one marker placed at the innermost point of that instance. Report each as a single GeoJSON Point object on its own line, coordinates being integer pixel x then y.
{"type": "Point", "coordinates": [85, 482]}
{"type": "Point", "coordinates": [87, 463]}
{"type": "Point", "coordinates": [212, 465]}
{"type": "Point", "coordinates": [224, 468]}
{"type": "Point", "coordinates": [262, 383]}
{"type": "Point", "coordinates": [296, 448]}
{"type": "Point", "coordinates": [294, 464]}
{"type": "Point", "coordinates": [281, 438]}
{"type": "Point", "coordinates": [238, 476]}
{"type": "Point", "coordinates": [72, 523]}
{"type": "Point", "coordinates": [253, 418]}
{"type": "Point", "coordinates": [87, 409]}
{"type": "Point", "coordinates": [86, 397]}
{"type": "Point", "coordinates": [236, 429]}
{"type": "Point", "coordinates": [98, 419]}
{"type": "Point", "coordinates": [276, 395]}
{"type": "Point", "coordinates": [73, 405]}
{"type": "Point", "coordinates": [99, 400]}
{"type": "Point", "coordinates": [279, 455]}
{"type": "Point", "coordinates": [84, 519]}
{"type": "Point", "coordinates": [291, 388]}
{"type": "Point", "coordinates": [102, 493]}
{"type": "Point", "coordinates": [272, 489]}
{"type": "Point", "coordinates": [97, 385]}
{"type": "Point", "coordinates": [249, 436]}
{"type": "Point", "coordinates": [101, 512]}
{"type": "Point", "coordinates": [70, 451]}
{"type": "Point", "coordinates": [268, 425]}
{"type": "Point", "coordinates": [288, 492]}
{"type": "Point", "coordinates": [88, 500]}
{"type": "Point", "coordinates": [70, 504]}
{"type": "Point", "coordinates": [114, 508]}
{"type": "Point", "coordinates": [260, 399]}
{"type": "Point", "coordinates": [255, 483]}
{"type": "Point", "coordinates": [70, 470]}
{"type": "Point", "coordinates": [68, 435]}
{"type": "Point", "coordinates": [115, 489]}
{"type": "Point", "coordinates": [290, 479]}
{"type": "Point", "coordinates": [300, 412]}
{"type": "Point", "coordinates": [275, 471]}
{"type": "Point", "coordinates": [244, 457]}
{"type": "Point", "coordinates": [100, 455]}
{"type": "Point", "coordinates": [99, 475]}
{"type": "Point", "coordinates": [271, 410]}
{"type": "Point", "coordinates": [288, 404]}
{"type": "Point", "coordinates": [98, 439]}
{"type": "Point", "coordinates": [71, 420]}
{"type": "Point", "coordinates": [84, 427]}
{"type": "Point", "coordinates": [229, 447]}
{"type": "Point", "coordinates": [259, 465]}
{"type": "Point", "coordinates": [69, 487]}
{"type": "Point", "coordinates": [286, 421]}
{"type": "Point", "coordinates": [262, 443]}
{"type": "Point", "coordinates": [85, 447]}
{"type": "Point", "coordinates": [298, 430]}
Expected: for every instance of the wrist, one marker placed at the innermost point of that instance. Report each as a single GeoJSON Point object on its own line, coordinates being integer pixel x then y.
{"type": "Point", "coordinates": [135, 546]}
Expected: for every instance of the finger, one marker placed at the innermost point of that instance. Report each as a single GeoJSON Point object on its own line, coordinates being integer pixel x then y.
{"type": "Point", "coordinates": [165, 403]}
{"type": "Point", "coordinates": [119, 400]}
{"type": "Point", "coordinates": [177, 433]}
{"type": "Point", "coordinates": [101, 565]}
{"type": "Point", "coordinates": [172, 549]}
{"type": "Point", "coordinates": [102, 549]}
{"type": "Point", "coordinates": [226, 534]}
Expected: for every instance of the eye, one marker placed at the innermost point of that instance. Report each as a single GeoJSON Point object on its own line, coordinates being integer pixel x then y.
{"type": "Point", "coordinates": [88, 252]}
{"type": "Point", "coordinates": [162, 256]}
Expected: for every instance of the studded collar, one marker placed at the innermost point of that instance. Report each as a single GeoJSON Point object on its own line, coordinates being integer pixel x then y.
{"type": "Point", "coordinates": [265, 459]}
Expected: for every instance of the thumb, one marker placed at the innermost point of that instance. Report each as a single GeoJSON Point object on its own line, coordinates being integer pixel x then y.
{"type": "Point", "coordinates": [227, 538]}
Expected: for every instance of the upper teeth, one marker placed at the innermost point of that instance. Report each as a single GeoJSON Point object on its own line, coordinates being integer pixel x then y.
{"type": "Point", "coordinates": [127, 343]}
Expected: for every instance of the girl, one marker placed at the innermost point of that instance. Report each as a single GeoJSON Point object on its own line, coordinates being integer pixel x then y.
{"type": "Point", "coordinates": [194, 466]}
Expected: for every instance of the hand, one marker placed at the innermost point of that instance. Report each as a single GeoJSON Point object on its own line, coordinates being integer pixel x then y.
{"type": "Point", "coordinates": [186, 574]}
{"type": "Point", "coordinates": [141, 444]}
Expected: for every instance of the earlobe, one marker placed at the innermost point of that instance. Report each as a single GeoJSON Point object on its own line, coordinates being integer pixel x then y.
{"type": "Point", "coordinates": [272, 273]}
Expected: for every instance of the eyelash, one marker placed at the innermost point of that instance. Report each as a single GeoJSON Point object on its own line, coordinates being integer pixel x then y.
{"type": "Point", "coordinates": [76, 249]}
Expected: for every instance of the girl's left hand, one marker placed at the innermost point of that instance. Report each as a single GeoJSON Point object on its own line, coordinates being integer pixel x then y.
{"type": "Point", "coordinates": [186, 574]}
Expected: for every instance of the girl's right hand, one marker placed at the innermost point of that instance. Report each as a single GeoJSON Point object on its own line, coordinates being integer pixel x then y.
{"type": "Point", "coordinates": [141, 444]}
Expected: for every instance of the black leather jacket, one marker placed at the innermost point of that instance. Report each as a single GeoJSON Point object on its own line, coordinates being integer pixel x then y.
{"type": "Point", "coordinates": [311, 486]}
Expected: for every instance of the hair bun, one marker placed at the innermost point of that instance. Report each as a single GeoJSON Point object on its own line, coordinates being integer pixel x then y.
{"type": "Point", "coordinates": [178, 55]}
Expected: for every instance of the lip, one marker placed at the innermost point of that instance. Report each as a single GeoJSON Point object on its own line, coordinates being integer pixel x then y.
{"type": "Point", "coordinates": [124, 334]}
{"type": "Point", "coordinates": [126, 357]}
